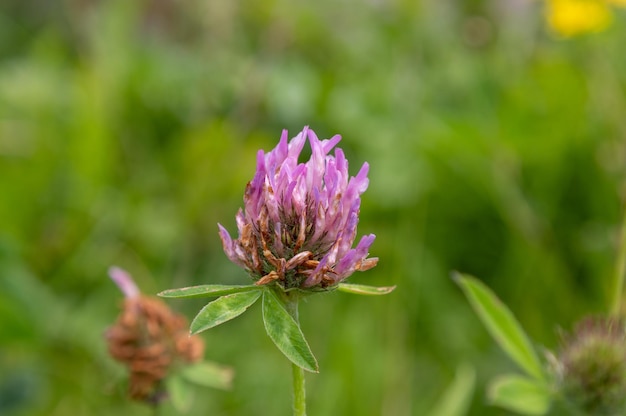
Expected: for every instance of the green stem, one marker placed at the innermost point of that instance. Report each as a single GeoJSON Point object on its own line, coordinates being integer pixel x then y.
{"type": "Point", "coordinates": [620, 269]}
{"type": "Point", "coordinates": [299, 389]}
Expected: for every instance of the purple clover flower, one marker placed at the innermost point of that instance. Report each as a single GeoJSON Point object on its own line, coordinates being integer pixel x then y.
{"type": "Point", "coordinates": [300, 219]}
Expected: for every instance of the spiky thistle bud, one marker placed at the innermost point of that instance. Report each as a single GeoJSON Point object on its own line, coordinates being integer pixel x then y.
{"type": "Point", "coordinates": [591, 367]}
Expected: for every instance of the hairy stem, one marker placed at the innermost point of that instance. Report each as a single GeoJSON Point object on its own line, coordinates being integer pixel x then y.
{"type": "Point", "coordinates": [620, 269]}
{"type": "Point", "coordinates": [299, 389]}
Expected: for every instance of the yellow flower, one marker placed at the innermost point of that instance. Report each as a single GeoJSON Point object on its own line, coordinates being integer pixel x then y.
{"type": "Point", "coordinates": [573, 17]}
{"type": "Point", "coordinates": [618, 3]}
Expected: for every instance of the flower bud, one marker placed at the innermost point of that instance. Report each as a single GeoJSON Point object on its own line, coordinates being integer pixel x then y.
{"type": "Point", "coordinates": [591, 367]}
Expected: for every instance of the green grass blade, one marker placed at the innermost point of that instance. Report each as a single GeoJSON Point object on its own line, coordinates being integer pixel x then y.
{"type": "Point", "coordinates": [501, 324]}
{"type": "Point", "coordinates": [520, 394]}
{"type": "Point", "coordinates": [365, 289]}
{"type": "Point", "coordinates": [286, 334]}
{"type": "Point", "coordinates": [205, 291]}
{"type": "Point", "coordinates": [223, 309]}
{"type": "Point", "coordinates": [457, 398]}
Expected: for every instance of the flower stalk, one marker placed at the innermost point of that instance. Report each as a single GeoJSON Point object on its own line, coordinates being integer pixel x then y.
{"type": "Point", "coordinates": [620, 270]}
{"type": "Point", "coordinates": [299, 391]}
{"type": "Point", "coordinates": [299, 387]}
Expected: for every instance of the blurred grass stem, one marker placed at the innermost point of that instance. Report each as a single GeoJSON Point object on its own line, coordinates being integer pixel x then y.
{"type": "Point", "coordinates": [620, 269]}
{"type": "Point", "coordinates": [299, 388]}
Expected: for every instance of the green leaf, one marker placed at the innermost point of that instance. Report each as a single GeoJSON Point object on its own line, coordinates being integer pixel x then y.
{"type": "Point", "coordinates": [179, 393]}
{"type": "Point", "coordinates": [501, 324]}
{"type": "Point", "coordinates": [209, 374]}
{"type": "Point", "coordinates": [207, 291]}
{"type": "Point", "coordinates": [223, 309]}
{"type": "Point", "coordinates": [457, 398]}
{"type": "Point", "coordinates": [520, 394]}
{"type": "Point", "coordinates": [365, 289]}
{"type": "Point", "coordinates": [286, 333]}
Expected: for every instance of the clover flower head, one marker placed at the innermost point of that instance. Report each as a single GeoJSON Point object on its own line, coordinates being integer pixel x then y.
{"type": "Point", "coordinates": [150, 339]}
{"type": "Point", "coordinates": [300, 219]}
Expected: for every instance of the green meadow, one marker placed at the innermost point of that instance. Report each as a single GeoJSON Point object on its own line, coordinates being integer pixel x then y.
{"type": "Point", "coordinates": [129, 129]}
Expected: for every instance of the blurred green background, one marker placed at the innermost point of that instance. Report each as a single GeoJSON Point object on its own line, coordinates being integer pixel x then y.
{"type": "Point", "coordinates": [128, 129]}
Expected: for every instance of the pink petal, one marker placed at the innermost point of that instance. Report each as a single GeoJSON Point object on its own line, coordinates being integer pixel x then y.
{"type": "Point", "coordinates": [124, 281]}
